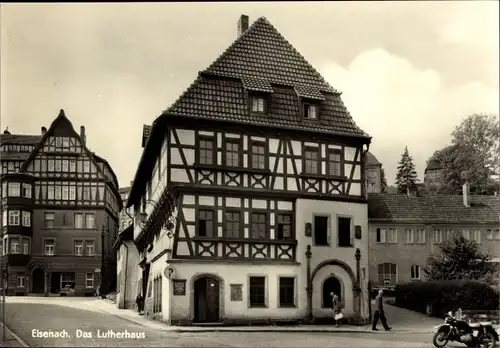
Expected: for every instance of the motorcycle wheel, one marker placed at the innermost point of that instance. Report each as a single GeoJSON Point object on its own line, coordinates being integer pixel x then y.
{"type": "Point", "coordinates": [439, 339]}
{"type": "Point", "coordinates": [488, 340]}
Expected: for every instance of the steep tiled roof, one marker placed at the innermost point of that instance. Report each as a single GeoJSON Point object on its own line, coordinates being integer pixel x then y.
{"type": "Point", "coordinates": [433, 209]}
{"type": "Point", "coordinates": [433, 164]}
{"type": "Point", "coordinates": [19, 139]}
{"type": "Point", "coordinates": [261, 59]}
{"type": "Point", "coordinates": [371, 160]}
{"type": "Point", "coordinates": [264, 53]}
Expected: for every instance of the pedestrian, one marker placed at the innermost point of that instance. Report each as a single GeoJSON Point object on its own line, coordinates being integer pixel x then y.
{"type": "Point", "coordinates": [379, 312]}
{"type": "Point", "coordinates": [139, 302]}
{"type": "Point", "coordinates": [337, 309]}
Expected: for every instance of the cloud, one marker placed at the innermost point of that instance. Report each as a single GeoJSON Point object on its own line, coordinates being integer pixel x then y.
{"type": "Point", "coordinates": [401, 105]}
{"type": "Point", "coordinates": [473, 23]}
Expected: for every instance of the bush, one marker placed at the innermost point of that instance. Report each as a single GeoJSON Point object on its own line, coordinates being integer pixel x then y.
{"type": "Point", "coordinates": [447, 295]}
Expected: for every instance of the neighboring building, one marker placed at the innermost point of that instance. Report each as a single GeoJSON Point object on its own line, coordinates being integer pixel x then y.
{"type": "Point", "coordinates": [57, 197]}
{"type": "Point", "coordinates": [127, 256]}
{"type": "Point", "coordinates": [257, 173]}
{"type": "Point", "coordinates": [373, 174]}
{"type": "Point", "coordinates": [433, 176]}
{"type": "Point", "coordinates": [406, 230]}
{"type": "Point", "coordinates": [126, 214]}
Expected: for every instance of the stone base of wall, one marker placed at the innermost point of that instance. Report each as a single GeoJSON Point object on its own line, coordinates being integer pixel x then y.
{"type": "Point", "coordinates": [358, 321]}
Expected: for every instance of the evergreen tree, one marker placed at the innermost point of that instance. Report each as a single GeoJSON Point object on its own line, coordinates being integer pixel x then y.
{"type": "Point", "coordinates": [383, 181]}
{"type": "Point", "coordinates": [406, 178]}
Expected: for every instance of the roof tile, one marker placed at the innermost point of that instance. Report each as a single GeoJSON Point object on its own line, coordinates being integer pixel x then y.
{"type": "Point", "coordinates": [433, 208]}
{"type": "Point", "coordinates": [257, 85]}
{"type": "Point", "coordinates": [262, 60]}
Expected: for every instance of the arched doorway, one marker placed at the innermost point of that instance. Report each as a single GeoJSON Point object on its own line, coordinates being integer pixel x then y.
{"type": "Point", "coordinates": [331, 284]}
{"type": "Point", "coordinates": [206, 300]}
{"type": "Point", "coordinates": [38, 281]}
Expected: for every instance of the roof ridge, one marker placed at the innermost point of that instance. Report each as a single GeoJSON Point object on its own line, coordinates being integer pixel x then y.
{"type": "Point", "coordinates": [326, 87]}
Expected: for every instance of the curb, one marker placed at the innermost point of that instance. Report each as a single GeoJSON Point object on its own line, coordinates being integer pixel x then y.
{"type": "Point", "coordinates": [16, 337]}
{"type": "Point", "coordinates": [350, 331]}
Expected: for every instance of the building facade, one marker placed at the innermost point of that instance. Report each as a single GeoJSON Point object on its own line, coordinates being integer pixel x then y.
{"type": "Point", "coordinates": [250, 197]}
{"type": "Point", "coordinates": [59, 212]}
{"type": "Point", "coordinates": [373, 174]}
{"type": "Point", "coordinates": [405, 231]}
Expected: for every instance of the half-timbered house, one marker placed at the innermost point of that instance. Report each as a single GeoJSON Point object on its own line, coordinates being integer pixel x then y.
{"type": "Point", "coordinates": [59, 212]}
{"type": "Point", "coordinates": [249, 198]}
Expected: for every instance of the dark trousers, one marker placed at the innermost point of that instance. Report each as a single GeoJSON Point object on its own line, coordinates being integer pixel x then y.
{"type": "Point", "coordinates": [379, 315]}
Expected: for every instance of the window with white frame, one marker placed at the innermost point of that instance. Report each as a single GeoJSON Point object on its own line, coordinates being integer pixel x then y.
{"type": "Point", "coordinates": [14, 189]}
{"type": "Point", "coordinates": [476, 236]}
{"type": "Point", "coordinates": [21, 281]}
{"type": "Point", "coordinates": [90, 247]}
{"type": "Point", "coordinates": [26, 219]}
{"type": "Point", "coordinates": [258, 104]}
{"type": "Point", "coordinates": [78, 247]}
{"type": "Point", "coordinates": [420, 236]}
{"type": "Point", "coordinates": [89, 280]}
{"type": "Point", "coordinates": [14, 217]}
{"type": "Point", "coordinates": [381, 235]}
{"type": "Point", "coordinates": [387, 274]}
{"type": "Point", "coordinates": [492, 234]}
{"type": "Point", "coordinates": [408, 236]}
{"type": "Point", "coordinates": [392, 236]}
{"type": "Point", "coordinates": [78, 220]}
{"type": "Point", "coordinates": [89, 221]}
{"type": "Point", "coordinates": [26, 246]}
{"type": "Point", "coordinates": [442, 235]}
{"type": "Point", "coordinates": [15, 247]}
{"type": "Point", "coordinates": [27, 190]}
{"type": "Point", "coordinates": [465, 233]}
{"type": "Point", "coordinates": [49, 247]}
{"type": "Point", "coordinates": [415, 272]}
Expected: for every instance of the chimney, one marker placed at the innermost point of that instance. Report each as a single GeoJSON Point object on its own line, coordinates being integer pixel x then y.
{"type": "Point", "coordinates": [242, 24]}
{"type": "Point", "coordinates": [82, 135]}
{"type": "Point", "coordinates": [466, 194]}
{"type": "Point", "coordinates": [44, 130]}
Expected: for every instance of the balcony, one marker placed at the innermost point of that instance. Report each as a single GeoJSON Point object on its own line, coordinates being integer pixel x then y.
{"type": "Point", "coordinates": [245, 249]}
{"type": "Point", "coordinates": [18, 259]}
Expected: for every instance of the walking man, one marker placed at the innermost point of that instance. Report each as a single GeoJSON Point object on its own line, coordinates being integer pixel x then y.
{"type": "Point", "coordinates": [379, 312]}
{"type": "Point", "coordinates": [337, 308]}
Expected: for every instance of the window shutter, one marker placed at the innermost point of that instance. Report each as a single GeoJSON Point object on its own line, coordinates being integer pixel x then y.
{"type": "Point", "coordinates": [351, 232]}
{"type": "Point", "coordinates": [329, 232]}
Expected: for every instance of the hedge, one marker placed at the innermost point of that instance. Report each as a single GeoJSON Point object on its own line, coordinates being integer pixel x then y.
{"type": "Point", "coordinates": [447, 295]}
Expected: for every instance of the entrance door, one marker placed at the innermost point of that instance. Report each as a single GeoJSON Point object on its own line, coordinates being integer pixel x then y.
{"type": "Point", "coordinates": [55, 282]}
{"type": "Point", "coordinates": [38, 281]}
{"type": "Point", "coordinates": [332, 284]}
{"type": "Point", "coordinates": [206, 300]}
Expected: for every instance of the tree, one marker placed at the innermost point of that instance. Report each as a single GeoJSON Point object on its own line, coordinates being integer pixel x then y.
{"type": "Point", "coordinates": [481, 132]}
{"type": "Point", "coordinates": [460, 163]}
{"type": "Point", "coordinates": [383, 181]}
{"type": "Point", "coordinates": [461, 258]}
{"type": "Point", "coordinates": [406, 178]}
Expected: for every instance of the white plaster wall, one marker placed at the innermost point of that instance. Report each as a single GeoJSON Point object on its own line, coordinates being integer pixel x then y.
{"type": "Point", "coordinates": [129, 271]}
{"type": "Point", "coordinates": [358, 212]}
{"type": "Point", "coordinates": [183, 308]}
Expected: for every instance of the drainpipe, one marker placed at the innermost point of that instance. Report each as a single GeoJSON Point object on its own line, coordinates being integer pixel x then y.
{"type": "Point", "coordinates": [125, 282]}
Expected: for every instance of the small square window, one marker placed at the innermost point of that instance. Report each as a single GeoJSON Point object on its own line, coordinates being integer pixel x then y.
{"type": "Point", "coordinates": [258, 104]}
{"type": "Point", "coordinates": [310, 111]}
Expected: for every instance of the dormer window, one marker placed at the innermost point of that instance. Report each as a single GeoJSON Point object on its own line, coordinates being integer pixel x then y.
{"type": "Point", "coordinates": [310, 112]}
{"type": "Point", "coordinates": [258, 104]}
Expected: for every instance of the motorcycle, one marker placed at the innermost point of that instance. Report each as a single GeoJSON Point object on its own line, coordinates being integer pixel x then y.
{"type": "Point", "coordinates": [480, 335]}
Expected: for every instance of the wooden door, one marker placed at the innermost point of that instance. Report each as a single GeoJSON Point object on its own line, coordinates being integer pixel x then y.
{"type": "Point", "coordinates": [206, 302]}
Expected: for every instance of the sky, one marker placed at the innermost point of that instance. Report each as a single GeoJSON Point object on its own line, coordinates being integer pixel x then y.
{"type": "Point", "coordinates": [409, 72]}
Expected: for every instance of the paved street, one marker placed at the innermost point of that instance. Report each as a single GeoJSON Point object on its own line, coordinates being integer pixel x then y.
{"type": "Point", "coordinates": [23, 318]}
